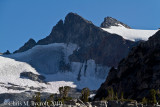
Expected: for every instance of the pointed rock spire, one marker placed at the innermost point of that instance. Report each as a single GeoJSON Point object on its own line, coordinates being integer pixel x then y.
{"type": "Point", "coordinates": [28, 45]}
{"type": "Point", "coordinates": [109, 21]}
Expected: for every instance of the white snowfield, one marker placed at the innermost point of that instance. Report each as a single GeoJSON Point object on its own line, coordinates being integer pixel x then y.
{"type": "Point", "coordinates": [130, 34]}
{"type": "Point", "coordinates": [10, 77]}
{"type": "Point", "coordinates": [44, 60]}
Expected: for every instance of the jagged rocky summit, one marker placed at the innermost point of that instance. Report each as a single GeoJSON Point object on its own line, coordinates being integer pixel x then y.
{"type": "Point", "coordinates": [109, 21]}
{"type": "Point", "coordinates": [28, 45]}
{"type": "Point", "coordinates": [136, 74]}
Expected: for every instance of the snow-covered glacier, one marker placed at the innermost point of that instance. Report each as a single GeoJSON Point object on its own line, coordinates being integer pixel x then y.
{"type": "Point", "coordinates": [52, 62]}
{"type": "Point", "coordinates": [11, 82]}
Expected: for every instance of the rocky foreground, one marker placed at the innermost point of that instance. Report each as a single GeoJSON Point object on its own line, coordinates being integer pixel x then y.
{"type": "Point", "coordinates": [25, 100]}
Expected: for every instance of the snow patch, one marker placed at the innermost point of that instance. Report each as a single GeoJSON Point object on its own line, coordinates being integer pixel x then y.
{"type": "Point", "coordinates": [130, 34]}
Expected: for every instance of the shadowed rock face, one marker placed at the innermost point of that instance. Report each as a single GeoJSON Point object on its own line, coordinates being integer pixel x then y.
{"type": "Point", "coordinates": [109, 21]}
{"type": "Point", "coordinates": [105, 48]}
{"type": "Point", "coordinates": [137, 73]}
{"type": "Point", "coordinates": [28, 45]}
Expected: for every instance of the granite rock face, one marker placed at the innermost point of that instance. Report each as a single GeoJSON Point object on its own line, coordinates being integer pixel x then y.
{"type": "Point", "coordinates": [105, 48]}
{"type": "Point", "coordinates": [28, 45]}
{"type": "Point", "coordinates": [109, 21]}
{"type": "Point", "coordinates": [137, 73]}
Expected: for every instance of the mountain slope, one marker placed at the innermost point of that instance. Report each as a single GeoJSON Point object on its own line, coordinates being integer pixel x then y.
{"type": "Point", "coordinates": [137, 73]}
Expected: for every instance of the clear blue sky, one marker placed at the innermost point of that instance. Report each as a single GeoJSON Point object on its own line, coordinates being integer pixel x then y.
{"type": "Point", "coordinates": [24, 19]}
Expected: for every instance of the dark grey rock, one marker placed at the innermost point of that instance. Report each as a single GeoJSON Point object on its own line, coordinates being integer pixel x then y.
{"type": "Point", "coordinates": [37, 88]}
{"type": "Point", "coordinates": [28, 45]}
{"type": "Point", "coordinates": [109, 21]}
{"type": "Point", "coordinates": [15, 88]}
{"type": "Point", "coordinates": [34, 77]}
{"type": "Point", "coordinates": [56, 35]}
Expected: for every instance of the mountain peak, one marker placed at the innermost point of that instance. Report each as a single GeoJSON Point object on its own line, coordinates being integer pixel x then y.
{"type": "Point", "coordinates": [31, 40]}
{"type": "Point", "coordinates": [72, 14]}
{"type": "Point", "coordinates": [110, 21]}
{"type": "Point", "coordinates": [75, 18]}
{"type": "Point", "coordinates": [28, 45]}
